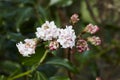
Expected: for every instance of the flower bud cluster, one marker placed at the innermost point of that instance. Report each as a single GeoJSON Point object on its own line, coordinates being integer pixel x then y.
{"type": "Point", "coordinates": [54, 45]}
{"type": "Point", "coordinates": [91, 28]}
{"type": "Point", "coordinates": [82, 45]}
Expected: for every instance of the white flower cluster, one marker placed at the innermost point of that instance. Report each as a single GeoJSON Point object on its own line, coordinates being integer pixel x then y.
{"type": "Point", "coordinates": [27, 48]}
{"type": "Point", "coordinates": [67, 37]}
{"type": "Point", "coordinates": [48, 31]}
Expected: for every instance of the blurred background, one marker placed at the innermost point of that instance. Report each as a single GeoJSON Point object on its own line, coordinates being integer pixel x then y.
{"type": "Point", "coordinates": [20, 18]}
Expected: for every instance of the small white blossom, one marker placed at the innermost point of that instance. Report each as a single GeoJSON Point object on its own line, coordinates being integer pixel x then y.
{"type": "Point", "coordinates": [28, 47]}
{"type": "Point", "coordinates": [67, 37]}
{"type": "Point", "coordinates": [47, 31]}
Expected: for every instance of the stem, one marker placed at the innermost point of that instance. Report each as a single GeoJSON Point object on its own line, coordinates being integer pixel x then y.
{"type": "Point", "coordinates": [30, 71]}
{"type": "Point", "coordinates": [20, 75]}
{"type": "Point", "coordinates": [69, 58]}
{"type": "Point", "coordinates": [69, 54]}
{"type": "Point", "coordinates": [44, 56]}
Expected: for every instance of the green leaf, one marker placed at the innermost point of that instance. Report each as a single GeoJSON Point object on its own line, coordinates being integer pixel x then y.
{"type": "Point", "coordinates": [62, 62]}
{"type": "Point", "coordinates": [53, 2]}
{"type": "Point", "coordinates": [34, 58]}
{"type": "Point", "coordinates": [2, 77]}
{"type": "Point", "coordinates": [25, 15]}
{"type": "Point", "coordinates": [48, 70]}
{"type": "Point", "coordinates": [14, 36]}
{"type": "Point", "coordinates": [54, 52]}
{"type": "Point", "coordinates": [85, 13]}
{"type": "Point", "coordinates": [62, 3]}
{"type": "Point", "coordinates": [10, 67]}
{"type": "Point", "coordinates": [59, 78]}
{"type": "Point", "coordinates": [40, 76]}
{"type": "Point", "coordinates": [42, 13]}
{"type": "Point", "coordinates": [26, 1]}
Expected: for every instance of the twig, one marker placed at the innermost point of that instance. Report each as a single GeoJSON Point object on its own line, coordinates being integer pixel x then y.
{"type": "Point", "coordinates": [91, 11]}
{"type": "Point", "coordinates": [69, 58]}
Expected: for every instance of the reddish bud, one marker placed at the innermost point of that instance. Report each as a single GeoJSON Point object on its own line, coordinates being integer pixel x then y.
{"type": "Point", "coordinates": [74, 18]}
{"type": "Point", "coordinates": [53, 45]}
{"type": "Point", "coordinates": [94, 40]}
{"type": "Point", "coordinates": [82, 45]}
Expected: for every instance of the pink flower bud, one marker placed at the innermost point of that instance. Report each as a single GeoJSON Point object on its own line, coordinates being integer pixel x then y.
{"type": "Point", "coordinates": [91, 28]}
{"type": "Point", "coordinates": [74, 18]}
{"type": "Point", "coordinates": [82, 45]}
{"type": "Point", "coordinates": [98, 78]}
{"type": "Point", "coordinates": [53, 45]}
{"type": "Point", "coordinates": [94, 40]}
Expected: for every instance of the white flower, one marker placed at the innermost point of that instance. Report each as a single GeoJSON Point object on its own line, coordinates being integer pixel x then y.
{"type": "Point", "coordinates": [47, 31]}
{"type": "Point", "coordinates": [67, 37]}
{"type": "Point", "coordinates": [28, 47]}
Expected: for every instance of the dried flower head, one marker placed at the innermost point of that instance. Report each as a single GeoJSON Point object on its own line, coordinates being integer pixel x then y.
{"type": "Point", "coordinates": [82, 45]}
{"type": "Point", "coordinates": [91, 28]}
{"type": "Point", "coordinates": [74, 18]}
{"type": "Point", "coordinates": [94, 40]}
